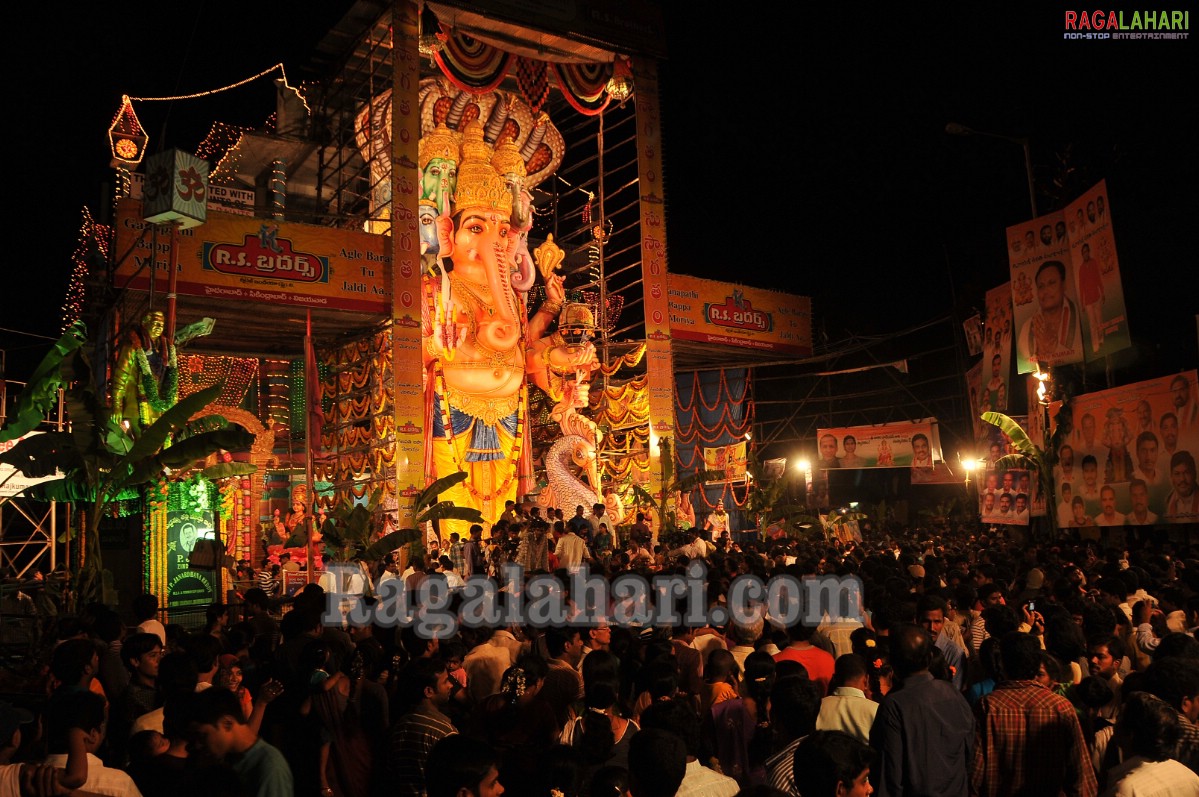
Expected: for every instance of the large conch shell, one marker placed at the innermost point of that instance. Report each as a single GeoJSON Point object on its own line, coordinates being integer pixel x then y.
{"type": "Point", "coordinates": [549, 256]}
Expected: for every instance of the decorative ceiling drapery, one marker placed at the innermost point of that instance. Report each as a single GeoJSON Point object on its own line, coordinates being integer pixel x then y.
{"type": "Point", "coordinates": [712, 409]}
{"type": "Point", "coordinates": [475, 66]}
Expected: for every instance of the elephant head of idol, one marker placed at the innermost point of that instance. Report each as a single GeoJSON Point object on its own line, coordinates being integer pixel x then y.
{"type": "Point", "coordinates": [480, 241]}
{"type": "Point", "coordinates": [508, 162]}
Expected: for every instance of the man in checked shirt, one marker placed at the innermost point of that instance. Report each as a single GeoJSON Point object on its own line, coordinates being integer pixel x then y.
{"type": "Point", "coordinates": [1028, 738]}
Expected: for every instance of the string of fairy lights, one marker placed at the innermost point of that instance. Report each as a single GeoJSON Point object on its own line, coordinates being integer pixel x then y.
{"type": "Point", "coordinates": [94, 238]}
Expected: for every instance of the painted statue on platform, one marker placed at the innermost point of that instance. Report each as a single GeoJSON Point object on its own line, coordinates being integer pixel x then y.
{"type": "Point", "coordinates": [482, 347]}
{"type": "Point", "coordinates": [145, 380]}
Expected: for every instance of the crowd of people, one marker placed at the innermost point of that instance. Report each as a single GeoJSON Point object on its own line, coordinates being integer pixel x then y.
{"type": "Point", "coordinates": [973, 665]}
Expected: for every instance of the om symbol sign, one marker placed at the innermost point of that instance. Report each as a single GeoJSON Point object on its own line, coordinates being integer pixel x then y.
{"type": "Point", "coordinates": [191, 185]}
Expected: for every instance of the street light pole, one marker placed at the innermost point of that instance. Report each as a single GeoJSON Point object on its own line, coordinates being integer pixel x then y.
{"type": "Point", "coordinates": [955, 129]}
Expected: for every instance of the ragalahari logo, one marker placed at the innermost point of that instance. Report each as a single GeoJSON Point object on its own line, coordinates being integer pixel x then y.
{"type": "Point", "coordinates": [264, 254]}
{"type": "Point", "coordinates": [1101, 25]}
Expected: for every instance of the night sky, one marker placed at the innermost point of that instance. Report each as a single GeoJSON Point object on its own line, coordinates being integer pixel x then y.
{"type": "Point", "coordinates": [804, 153]}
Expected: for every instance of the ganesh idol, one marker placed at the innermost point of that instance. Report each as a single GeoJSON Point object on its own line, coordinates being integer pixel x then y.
{"type": "Point", "coordinates": [476, 333]}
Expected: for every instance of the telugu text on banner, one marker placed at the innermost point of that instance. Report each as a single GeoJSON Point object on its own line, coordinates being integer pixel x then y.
{"type": "Point", "coordinates": [724, 313]}
{"type": "Point", "coordinates": [260, 260]}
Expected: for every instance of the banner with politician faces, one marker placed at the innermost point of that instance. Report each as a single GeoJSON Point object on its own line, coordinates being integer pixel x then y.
{"type": "Point", "coordinates": [1129, 456]}
{"type": "Point", "coordinates": [914, 444]}
{"type": "Point", "coordinates": [1006, 497]}
{"type": "Point", "coordinates": [1102, 314]}
{"type": "Point", "coordinates": [997, 351]}
{"type": "Point", "coordinates": [1066, 288]}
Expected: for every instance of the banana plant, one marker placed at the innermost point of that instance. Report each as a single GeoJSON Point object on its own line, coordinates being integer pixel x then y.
{"type": "Point", "coordinates": [349, 532]}
{"type": "Point", "coordinates": [39, 394]}
{"type": "Point", "coordinates": [668, 526]}
{"type": "Point", "coordinates": [1027, 457]}
{"type": "Point", "coordinates": [103, 464]}
{"type": "Point", "coordinates": [769, 502]}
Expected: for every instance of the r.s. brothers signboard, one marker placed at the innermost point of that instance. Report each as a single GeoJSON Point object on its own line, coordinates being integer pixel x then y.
{"type": "Point", "coordinates": [735, 315]}
{"type": "Point", "coordinates": [260, 260]}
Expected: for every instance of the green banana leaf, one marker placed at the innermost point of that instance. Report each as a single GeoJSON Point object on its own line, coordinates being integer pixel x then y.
{"type": "Point", "coordinates": [91, 422]}
{"type": "Point", "coordinates": [447, 510]}
{"type": "Point", "coordinates": [40, 392]}
{"type": "Point", "coordinates": [1014, 432]}
{"type": "Point", "coordinates": [226, 470]}
{"type": "Point", "coordinates": [1015, 462]}
{"type": "Point", "coordinates": [206, 423]}
{"type": "Point", "coordinates": [389, 543]}
{"type": "Point", "coordinates": [184, 453]}
{"type": "Point", "coordinates": [426, 496]}
{"type": "Point", "coordinates": [44, 454]}
{"type": "Point", "coordinates": [171, 421]}
{"type": "Point", "coordinates": [71, 491]}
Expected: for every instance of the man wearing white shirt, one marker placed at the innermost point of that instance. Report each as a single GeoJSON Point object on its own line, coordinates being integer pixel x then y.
{"type": "Point", "coordinates": [1107, 502]}
{"type": "Point", "coordinates": [1065, 464]}
{"type": "Point", "coordinates": [1186, 409]}
{"type": "Point", "coordinates": [742, 638]}
{"type": "Point", "coordinates": [1140, 515]}
{"type": "Point", "coordinates": [85, 710]}
{"type": "Point", "coordinates": [679, 718]}
{"type": "Point", "coordinates": [718, 522]}
{"type": "Point", "coordinates": [848, 709]}
{"type": "Point", "coordinates": [1147, 469]}
{"type": "Point", "coordinates": [1182, 505]}
{"type": "Point", "coordinates": [570, 550]}
{"type": "Point", "coordinates": [452, 579]}
{"type": "Point", "coordinates": [1021, 509]}
{"type": "Point", "coordinates": [1005, 509]}
{"type": "Point", "coordinates": [1065, 513]}
{"type": "Point", "coordinates": [694, 547]}
{"type": "Point", "coordinates": [391, 570]}
{"type": "Point", "coordinates": [1168, 426]}
{"type": "Point", "coordinates": [921, 454]}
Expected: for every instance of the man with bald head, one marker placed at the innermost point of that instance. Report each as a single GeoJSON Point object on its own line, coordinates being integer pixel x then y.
{"type": "Point", "coordinates": [924, 732]}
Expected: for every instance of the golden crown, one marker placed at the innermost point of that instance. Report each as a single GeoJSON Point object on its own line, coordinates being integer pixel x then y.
{"type": "Point", "coordinates": [507, 159]}
{"type": "Point", "coordinates": [479, 186]}
{"type": "Point", "coordinates": [576, 314]}
{"type": "Point", "coordinates": [440, 143]}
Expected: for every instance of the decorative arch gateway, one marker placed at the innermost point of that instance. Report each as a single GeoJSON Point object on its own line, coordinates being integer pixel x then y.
{"type": "Point", "coordinates": [236, 506]}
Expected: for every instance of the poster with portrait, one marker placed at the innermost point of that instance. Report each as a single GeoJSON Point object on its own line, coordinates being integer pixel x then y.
{"type": "Point", "coordinates": [1047, 322]}
{"type": "Point", "coordinates": [974, 388]}
{"type": "Point", "coordinates": [973, 327]}
{"type": "Point", "coordinates": [997, 351]}
{"type": "Point", "coordinates": [729, 460]}
{"type": "Point", "coordinates": [1006, 496]}
{"type": "Point", "coordinates": [891, 445]}
{"type": "Point", "coordinates": [1129, 456]}
{"type": "Point", "coordinates": [1097, 274]}
{"type": "Point", "coordinates": [188, 588]}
